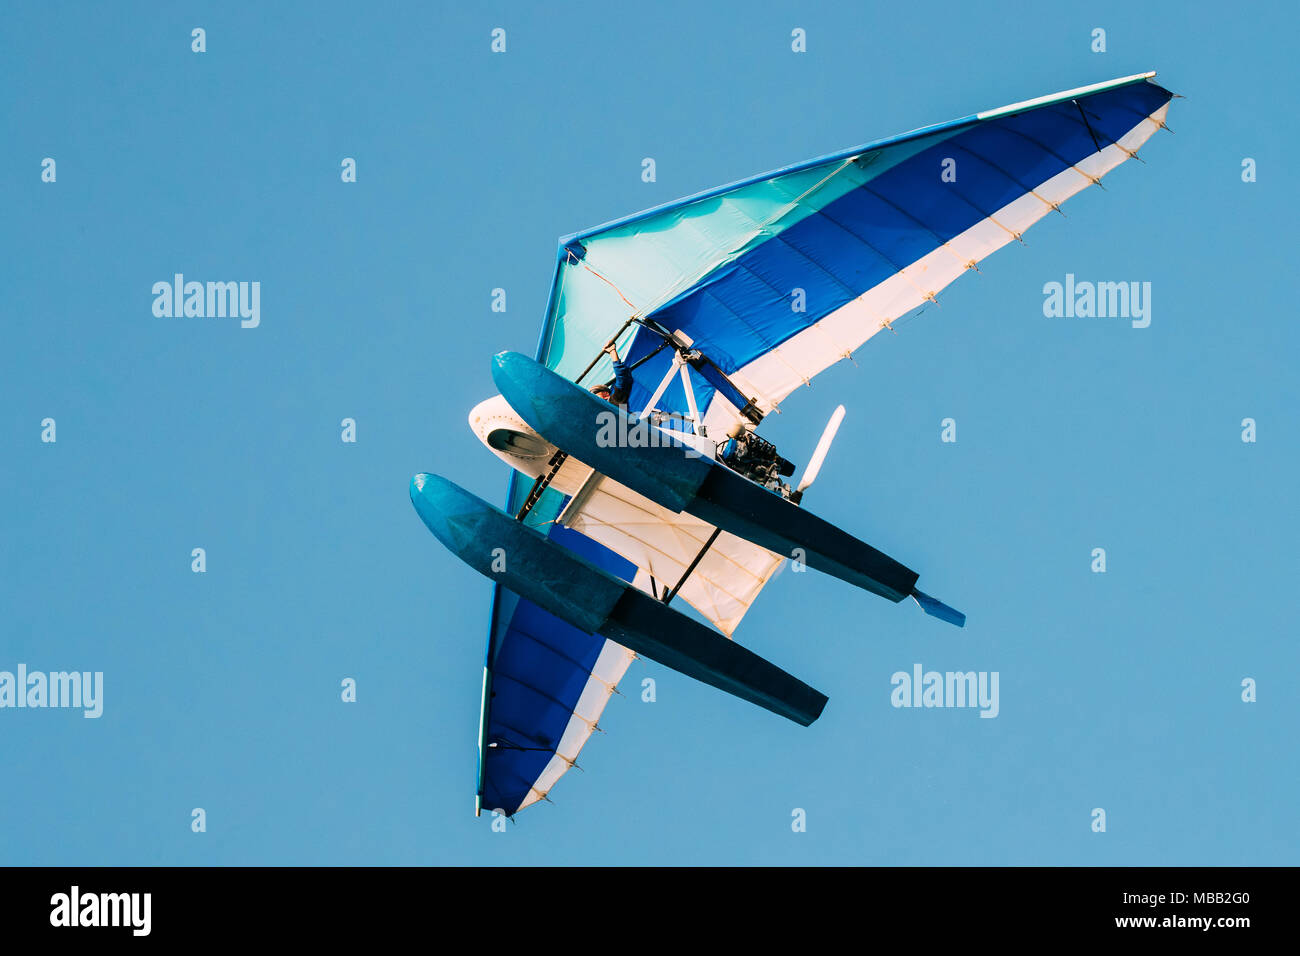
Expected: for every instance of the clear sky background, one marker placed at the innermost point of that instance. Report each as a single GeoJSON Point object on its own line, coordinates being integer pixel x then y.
{"type": "Point", "coordinates": [222, 690]}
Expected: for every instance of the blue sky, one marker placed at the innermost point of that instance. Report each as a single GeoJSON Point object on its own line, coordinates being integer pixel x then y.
{"type": "Point", "coordinates": [222, 690]}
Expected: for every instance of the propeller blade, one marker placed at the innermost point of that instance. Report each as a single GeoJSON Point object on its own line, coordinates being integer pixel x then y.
{"type": "Point", "coordinates": [823, 446]}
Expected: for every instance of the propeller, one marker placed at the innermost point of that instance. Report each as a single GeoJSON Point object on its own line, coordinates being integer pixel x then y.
{"type": "Point", "coordinates": [819, 454]}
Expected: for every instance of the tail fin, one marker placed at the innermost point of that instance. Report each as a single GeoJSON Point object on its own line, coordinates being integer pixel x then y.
{"type": "Point", "coordinates": [938, 609]}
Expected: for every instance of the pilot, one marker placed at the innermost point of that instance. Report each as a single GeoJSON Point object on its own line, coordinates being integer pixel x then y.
{"type": "Point", "coordinates": [622, 390]}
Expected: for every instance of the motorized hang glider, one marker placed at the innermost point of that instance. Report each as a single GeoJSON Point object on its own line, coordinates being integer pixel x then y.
{"type": "Point", "coordinates": [673, 495]}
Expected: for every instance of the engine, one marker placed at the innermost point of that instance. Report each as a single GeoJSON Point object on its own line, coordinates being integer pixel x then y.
{"type": "Point", "coordinates": [757, 459]}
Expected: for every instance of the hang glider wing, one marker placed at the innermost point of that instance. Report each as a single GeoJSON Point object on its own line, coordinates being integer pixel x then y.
{"type": "Point", "coordinates": [545, 682]}
{"type": "Point", "coordinates": [778, 277]}
{"type": "Point", "coordinates": [773, 279]}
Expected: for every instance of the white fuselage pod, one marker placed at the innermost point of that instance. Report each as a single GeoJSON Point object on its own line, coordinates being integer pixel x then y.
{"type": "Point", "coordinates": [510, 438]}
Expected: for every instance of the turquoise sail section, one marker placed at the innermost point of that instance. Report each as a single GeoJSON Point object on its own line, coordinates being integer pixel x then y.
{"type": "Point", "coordinates": [638, 264]}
